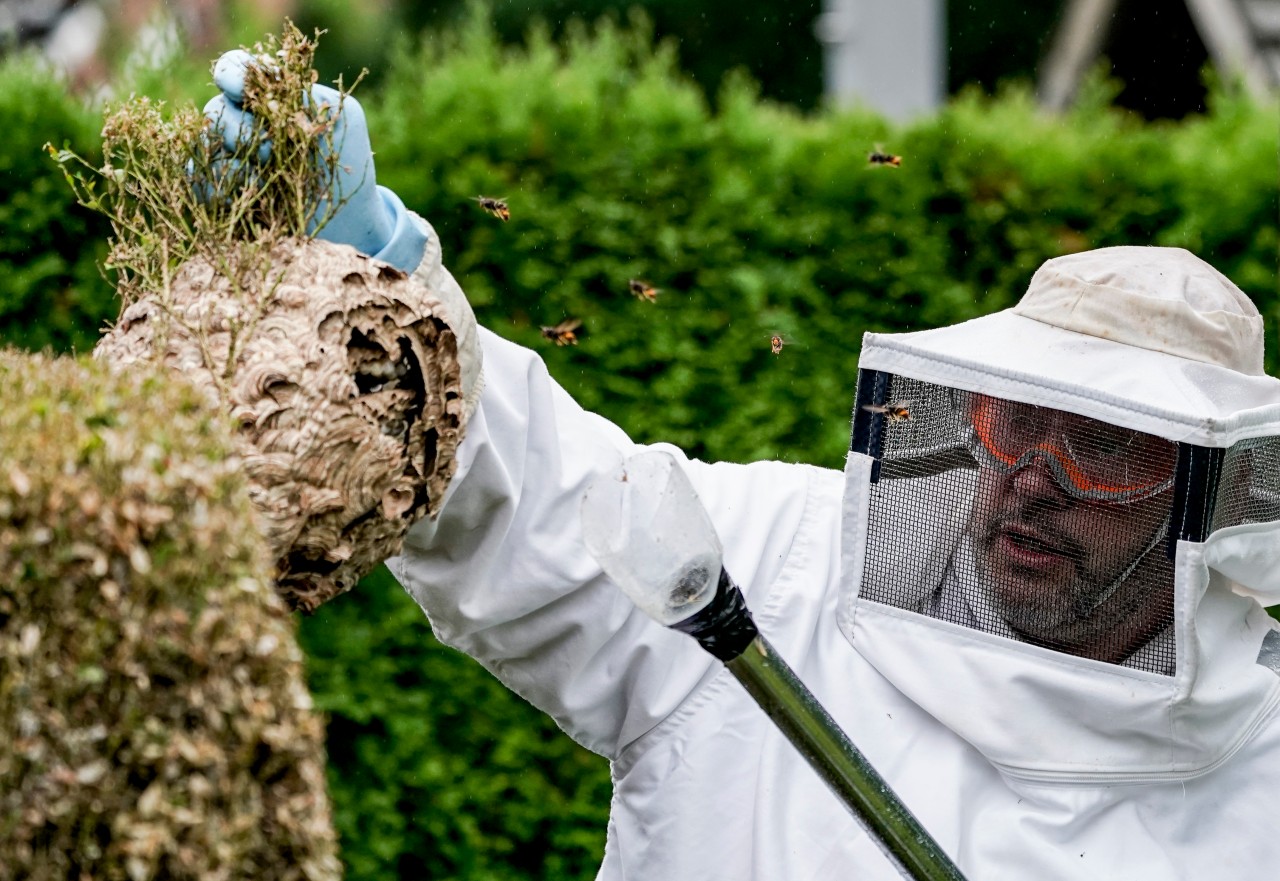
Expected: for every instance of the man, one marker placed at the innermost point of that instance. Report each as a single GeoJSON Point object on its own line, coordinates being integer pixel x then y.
{"type": "Point", "coordinates": [1067, 528]}
{"type": "Point", "coordinates": [1063, 543]}
{"type": "Point", "coordinates": [1033, 599]}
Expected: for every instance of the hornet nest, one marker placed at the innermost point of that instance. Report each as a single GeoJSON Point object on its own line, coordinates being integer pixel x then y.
{"type": "Point", "coordinates": [344, 386]}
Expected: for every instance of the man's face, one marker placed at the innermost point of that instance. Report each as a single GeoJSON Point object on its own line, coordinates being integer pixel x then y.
{"type": "Point", "coordinates": [1060, 567]}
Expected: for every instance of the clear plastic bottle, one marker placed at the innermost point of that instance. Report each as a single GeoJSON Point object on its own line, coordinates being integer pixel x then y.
{"type": "Point", "coordinates": [644, 523]}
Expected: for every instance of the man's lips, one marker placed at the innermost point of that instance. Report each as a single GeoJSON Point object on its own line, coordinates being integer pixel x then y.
{"type": "Point", "coordinates": [1029, 548]}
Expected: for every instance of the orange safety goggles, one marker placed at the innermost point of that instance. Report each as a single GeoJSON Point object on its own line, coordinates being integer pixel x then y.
{"type": "Point", "coordinates": [1090, 459]}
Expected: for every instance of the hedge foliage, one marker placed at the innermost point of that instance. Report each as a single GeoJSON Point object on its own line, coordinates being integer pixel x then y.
{"type": "Point", "coordinates": [154, 721]}
{"type": "Point", "coordinates": [757, 220]}
{"type": "Point", "coordinates": [753, 220]}
{"type": "Point", "coordinates": [53, 294]}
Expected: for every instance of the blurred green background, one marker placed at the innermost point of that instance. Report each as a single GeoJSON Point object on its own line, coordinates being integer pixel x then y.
{"type": "Point", "coordinates": [644, 145]}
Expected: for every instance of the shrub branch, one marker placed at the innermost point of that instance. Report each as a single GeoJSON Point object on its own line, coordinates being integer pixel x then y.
{"type": "Point", "coordinates": [174, 192]}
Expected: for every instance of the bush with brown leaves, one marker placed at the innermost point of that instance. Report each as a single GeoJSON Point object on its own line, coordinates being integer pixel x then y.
{"type": "Point", "coordinates": [154, 721]}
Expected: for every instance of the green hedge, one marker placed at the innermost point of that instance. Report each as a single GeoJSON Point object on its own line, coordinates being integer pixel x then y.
{"type": "Point", "coordinates": [52, 294]}
{"type": "Point", "coordinates": [753, 220]}
{"type": "Point", "coordinates": [756, 220]}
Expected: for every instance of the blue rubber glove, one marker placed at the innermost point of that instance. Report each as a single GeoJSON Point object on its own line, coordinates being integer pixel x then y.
{"type": "Point", "coordinates": [372, 219]}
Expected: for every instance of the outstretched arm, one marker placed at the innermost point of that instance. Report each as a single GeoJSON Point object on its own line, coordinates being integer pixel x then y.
{"type": "Point", "coordinates": [504, 575]}
{"type": "Point", "coordinates": [503, 572]}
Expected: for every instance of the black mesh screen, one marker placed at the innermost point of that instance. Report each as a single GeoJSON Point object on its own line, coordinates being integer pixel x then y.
{"type": "Point", "coordinates": [1022, 521]}
{"type": "Point", "coordinates": [1249, 488]}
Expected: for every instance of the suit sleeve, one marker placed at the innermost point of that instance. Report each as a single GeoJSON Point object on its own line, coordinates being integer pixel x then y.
{"type": "Point", "coordinates": [504, 575]}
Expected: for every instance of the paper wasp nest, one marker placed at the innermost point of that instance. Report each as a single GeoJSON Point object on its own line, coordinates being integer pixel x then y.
{"type": "Point", "coordinates": [344, 386]}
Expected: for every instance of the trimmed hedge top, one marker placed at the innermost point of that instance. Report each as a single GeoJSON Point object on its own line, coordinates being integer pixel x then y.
{"type": "Point", "coordinates": [154, 721]}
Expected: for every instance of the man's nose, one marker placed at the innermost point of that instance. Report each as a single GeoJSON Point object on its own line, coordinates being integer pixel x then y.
{"type": "Point", "coordinates": [1036, 480]}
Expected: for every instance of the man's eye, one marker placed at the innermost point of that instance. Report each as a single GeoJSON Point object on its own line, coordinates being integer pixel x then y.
{"type": "Point", "coordinates": [1022, 428]}
{"type": "Point", "coordinates": [1111, 443]}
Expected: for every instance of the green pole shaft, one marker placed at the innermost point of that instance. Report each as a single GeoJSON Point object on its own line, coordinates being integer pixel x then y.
{"type": "Point", "coordinates": [784, 698]}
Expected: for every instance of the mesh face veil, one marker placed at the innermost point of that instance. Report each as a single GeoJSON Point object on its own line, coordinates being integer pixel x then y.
{"type": "Point", "coordinates": [1042, 525]}
{"type": "Point", "coordinates": [1023, 521]}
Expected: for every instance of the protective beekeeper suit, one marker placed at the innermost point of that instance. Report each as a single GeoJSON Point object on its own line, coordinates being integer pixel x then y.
{"type": "Point", "coordinates": [1034, 598]}
{"type": "Point", "coordinates": [1034, 601]}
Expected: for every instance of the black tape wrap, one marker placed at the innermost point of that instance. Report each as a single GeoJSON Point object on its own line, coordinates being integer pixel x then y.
{"type": "Point", "coordinates": [724, 627]}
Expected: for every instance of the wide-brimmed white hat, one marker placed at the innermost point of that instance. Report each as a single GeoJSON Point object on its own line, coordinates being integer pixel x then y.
{"type": "Point", "coordinates": [1151, 338]}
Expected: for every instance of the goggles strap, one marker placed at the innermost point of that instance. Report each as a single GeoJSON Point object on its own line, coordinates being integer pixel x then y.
{"type": "Point", "coordinates": [1085, 611]}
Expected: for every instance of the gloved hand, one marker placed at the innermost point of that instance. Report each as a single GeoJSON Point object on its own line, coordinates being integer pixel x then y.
{"type": "Point", "coordinates": [372, 219]}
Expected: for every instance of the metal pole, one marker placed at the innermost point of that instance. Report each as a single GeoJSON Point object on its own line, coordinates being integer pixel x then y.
{"type": "Point", "coordinates": [808, 726]}
{"type": "Point", "coordinates": [666, 578]}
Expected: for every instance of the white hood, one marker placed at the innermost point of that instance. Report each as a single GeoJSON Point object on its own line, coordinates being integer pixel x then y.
{"type": "Point", "coordinates": [1151, 339]}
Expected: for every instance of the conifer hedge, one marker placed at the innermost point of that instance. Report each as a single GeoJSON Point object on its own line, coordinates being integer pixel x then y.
{"type": "Point", "coordinates": [752, 220]}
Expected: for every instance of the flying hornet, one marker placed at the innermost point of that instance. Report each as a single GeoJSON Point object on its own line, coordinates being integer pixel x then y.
{"type": "Point", "coordinates": [643, 290]}
{"type": "Point", "coordinates": [895, 411]}
{"type": "Point", "coordinates": [879, 157]}
{"type": "Point", "coordinates": [497, 207]}
{"type": "Point", "coordinates": [564, 333]}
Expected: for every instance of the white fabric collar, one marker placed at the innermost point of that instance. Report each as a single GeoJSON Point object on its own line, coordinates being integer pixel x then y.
{"type": "Point", "coordinates": [1047, 717]}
